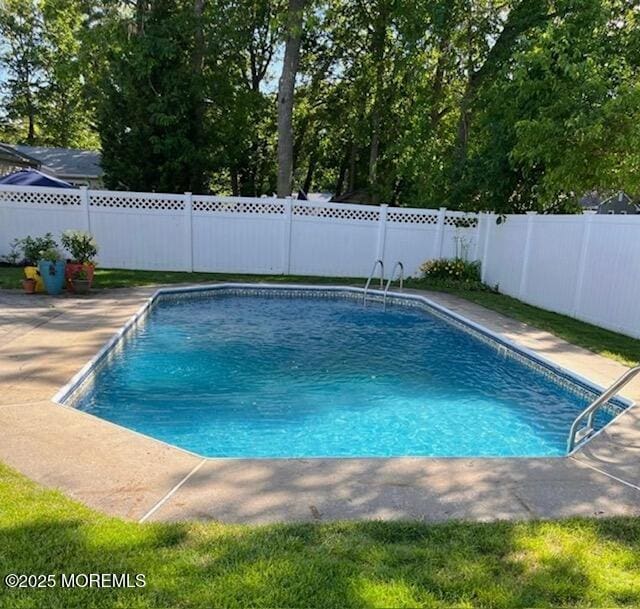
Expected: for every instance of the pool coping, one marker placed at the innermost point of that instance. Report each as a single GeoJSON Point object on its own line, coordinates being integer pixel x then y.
{"type": "Point", "coordinates": [495, 340]}
{"type": "Point", "coordinates": [122, 473]}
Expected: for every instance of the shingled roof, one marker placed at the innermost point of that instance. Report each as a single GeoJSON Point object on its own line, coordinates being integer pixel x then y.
{"type": "Point", "coordinates": [63, 162]}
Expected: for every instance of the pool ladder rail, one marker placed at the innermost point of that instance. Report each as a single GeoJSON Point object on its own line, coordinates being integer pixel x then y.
{"type": "Point", "coordinates": [400, 266]}
{"type": "Point", "coordinates": [380, 263]}
{"type": "Point", "coordinates": [578, 432]}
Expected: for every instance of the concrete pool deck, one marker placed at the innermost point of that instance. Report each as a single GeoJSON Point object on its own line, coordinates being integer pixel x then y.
{"type": "Point", "coordinates": [44, 341]}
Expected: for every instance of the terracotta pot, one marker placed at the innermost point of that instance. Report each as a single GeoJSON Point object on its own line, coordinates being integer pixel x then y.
{"type": "Point", "coordinates": [75, 267]}
{"type": "Point", "coordinates": [29, 286]}
{"type": "Point", "coordinates": [31, 272]}
{"type": "Point", "coordinates": [80, 286]}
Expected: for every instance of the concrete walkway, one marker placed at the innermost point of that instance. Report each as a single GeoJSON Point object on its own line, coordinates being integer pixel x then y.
{"type": "Point", "coordinates": [44, 341]}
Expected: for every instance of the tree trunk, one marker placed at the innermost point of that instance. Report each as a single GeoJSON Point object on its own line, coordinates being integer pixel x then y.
{"type": "Point", "coordinates": [235, 187]}
{"type": "Point", "coordinates": [352, 167]}
{"type": "Point", "coordinates": [341, 175]}
{"type": "Point", "coordinates": [286, 88]}
{"type": "Point", "coordinates": [197, 63]}
{"type": "Point", "coordinates": [378, 44]}
{"type": "Point", "coordinates": [31, 133]}
{"type": "Point", "coordinates": [522, 18]}
{"type": "Point", "coordinates": [313, 161]}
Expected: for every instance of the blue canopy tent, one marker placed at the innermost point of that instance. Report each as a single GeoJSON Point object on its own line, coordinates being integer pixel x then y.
{"type": "Point", "coordinates": [33, 177]}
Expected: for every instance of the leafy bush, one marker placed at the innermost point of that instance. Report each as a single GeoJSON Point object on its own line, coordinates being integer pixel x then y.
{"type": "Point", "coordinates": [50, 255]}
{"type": "Point", "coordinates": [454, 268]}
{"type": "Point", "coordinates": [14, 257]}
{"type": "Point", "coordinates": [33, 246]}
{"type": "Point", "coordinates": [81, 245]}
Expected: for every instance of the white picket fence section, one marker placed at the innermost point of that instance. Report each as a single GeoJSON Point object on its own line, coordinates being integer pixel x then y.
{"type": "Point", "coordinates": [584, 266]}
{"type": "Point", "coordinates": [152, 231]}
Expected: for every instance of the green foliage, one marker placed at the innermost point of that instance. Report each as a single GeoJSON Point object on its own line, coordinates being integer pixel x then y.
{"type": "Point", "coordinates": [33, 246]}
{"type": "Point", "coordinates": [50, 254]}
{"type": "Point", "coordinates": [81, 245]}
{"type": "Point", "coordinates": [501, 565]}
{"type": "Point", "coordinates": [506, 106]}
{"type": "Point", "coordinates": [451, 268]}
{"type": "Point", "coordinates": [44, 91]}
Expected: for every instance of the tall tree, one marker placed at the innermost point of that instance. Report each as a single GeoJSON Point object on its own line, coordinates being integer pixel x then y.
{"type": "Point", "coordinates": [22, 58]}
{"type": "Point", "coordinates": [286, 87]}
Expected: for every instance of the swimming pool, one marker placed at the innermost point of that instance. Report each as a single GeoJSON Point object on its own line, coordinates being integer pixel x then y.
{"type": "Point", "coordinates": [238, 371]}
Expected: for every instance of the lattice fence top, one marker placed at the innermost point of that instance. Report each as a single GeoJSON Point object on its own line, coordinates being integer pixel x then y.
{"type": "Point", "coordinates": [228, 205]}
{"type": "Point", "coordinates": [120, 201]}
{"type": "Point", "coordinates": [338, 213]}
{"type": "Point", "coordinates": [461, 221]}
{"type": "Point", "coordinates": [233, 207]}
{"type": "Point", "coordinates": [408, 217]}
{"type": "Point", "coordinates": [60, 197]}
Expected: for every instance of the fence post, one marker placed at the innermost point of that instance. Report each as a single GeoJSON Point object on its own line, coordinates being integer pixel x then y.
{"type": "Point", "coordinates": [582, 261]}
{"type": "Point", "coordinates": [439, 240]}
{"type": "Point", "coordinates": [479, 230]}
{"type": "Point", "coordinates": [526, 255]}
{"type": "Point", "coordinates": [288, 225]}
{"type": "Point", "coordinates": [188, 223]}
{"type": "Point", "coordinates": [84, 201]}
{"type": "Point", "coordinates": [488, 229]}
{"type": "Point", "coordinates": [382, 232]}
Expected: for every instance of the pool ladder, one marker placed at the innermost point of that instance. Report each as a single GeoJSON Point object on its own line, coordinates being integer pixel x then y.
{"type": "Point", "coordinates": [578, 432]}
{"type": "Point", "coordinates": [380, 263]}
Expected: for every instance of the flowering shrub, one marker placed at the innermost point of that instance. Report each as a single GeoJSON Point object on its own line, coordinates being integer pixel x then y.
{"type": "Point", "coordinates": [452, 269]}
{"type": "Point", "coordinates": [51, 254]}
{"type": "Point", "coordinates": [32, 247]}
{"type": "Point", "coordinates": [81, 245]}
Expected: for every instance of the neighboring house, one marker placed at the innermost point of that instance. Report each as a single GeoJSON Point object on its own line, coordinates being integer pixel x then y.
{"type": "Point", "coordinates": [620, 203]}
{"type": "Point", "coordinates": [11, 160]}
{"type": "Point", "coordinates": [78, 167]}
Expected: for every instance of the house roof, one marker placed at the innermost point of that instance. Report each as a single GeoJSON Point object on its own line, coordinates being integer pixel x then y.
{"type": "Point", "coordinates": [9, 155]}
{"type": "Point", "coordinates": [68, 162]}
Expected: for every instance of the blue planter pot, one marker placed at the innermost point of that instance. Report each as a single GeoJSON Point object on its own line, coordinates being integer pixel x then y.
{"type": "Point", "coordinates": [52, 274]}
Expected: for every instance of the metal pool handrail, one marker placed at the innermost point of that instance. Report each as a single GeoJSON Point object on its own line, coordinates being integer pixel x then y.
{"type": "Point", "coordinates": [373, 271]}
{"type": "Point", "coordinates": [590, 411]}
{"type": "Point", "coordinates": [384, 297]}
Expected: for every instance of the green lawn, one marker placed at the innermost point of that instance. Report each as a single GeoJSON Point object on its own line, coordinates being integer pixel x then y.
{"type": "Point", "coordinates": [609, 344]}
{"type": "Point", "coordinates": [574, 563]}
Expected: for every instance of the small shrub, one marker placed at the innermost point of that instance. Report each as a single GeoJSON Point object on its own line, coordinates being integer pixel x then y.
{"type": "Point", "coordinates": [81, 275]}
{"type": "Point", "coordinates": [14, 257]}
{"type": "Point", "coordinates": [454, 269]}
{"type": "Point", "coordinates": [50, 255]}
{"type": "Point", "coordinates": [33, 246]}
{"type": "Point", "coordinates": [81, 245]}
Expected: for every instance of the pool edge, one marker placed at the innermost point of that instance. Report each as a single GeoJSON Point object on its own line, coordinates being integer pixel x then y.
{"type": "Point", "coordinates": [84, 374]}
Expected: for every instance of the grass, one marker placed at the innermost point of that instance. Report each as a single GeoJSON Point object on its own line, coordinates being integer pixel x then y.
{"type": "Point", "coordinates": [572, 563]}
{"type": "Point", "coordinates": [619, 347]}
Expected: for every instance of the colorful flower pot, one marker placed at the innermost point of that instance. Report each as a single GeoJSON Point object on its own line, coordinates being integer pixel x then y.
{"type": "Point", "coordinates": [52, 274]}
{"type": "Point", "coordinates": [29, 286]}
{"type": "Point", "coordinates": [31, 272]}
{"type": "Point", "coordinates": [73, 268]}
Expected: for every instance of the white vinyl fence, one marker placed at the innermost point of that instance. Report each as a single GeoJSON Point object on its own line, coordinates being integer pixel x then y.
{"type": "Point", "coordinates": [234, 234]}
{"type": "Point", "coordinates": [584, 266]}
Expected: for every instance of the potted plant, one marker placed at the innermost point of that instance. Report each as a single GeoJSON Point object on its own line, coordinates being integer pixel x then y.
{"type": "Point", "coordinates": [31, 248]}
{"type": "Point", "coordinates": [51, 268]}
{"type": "Point", "coordinates": [29, 285]}
{"type": "Point", "coordinates": [83, 248]}
{"type": "Point", "coordinates": [80, 282]}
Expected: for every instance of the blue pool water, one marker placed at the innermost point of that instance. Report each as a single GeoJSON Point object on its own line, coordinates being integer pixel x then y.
{"type": "Point", "coordinates": [261, 376]}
